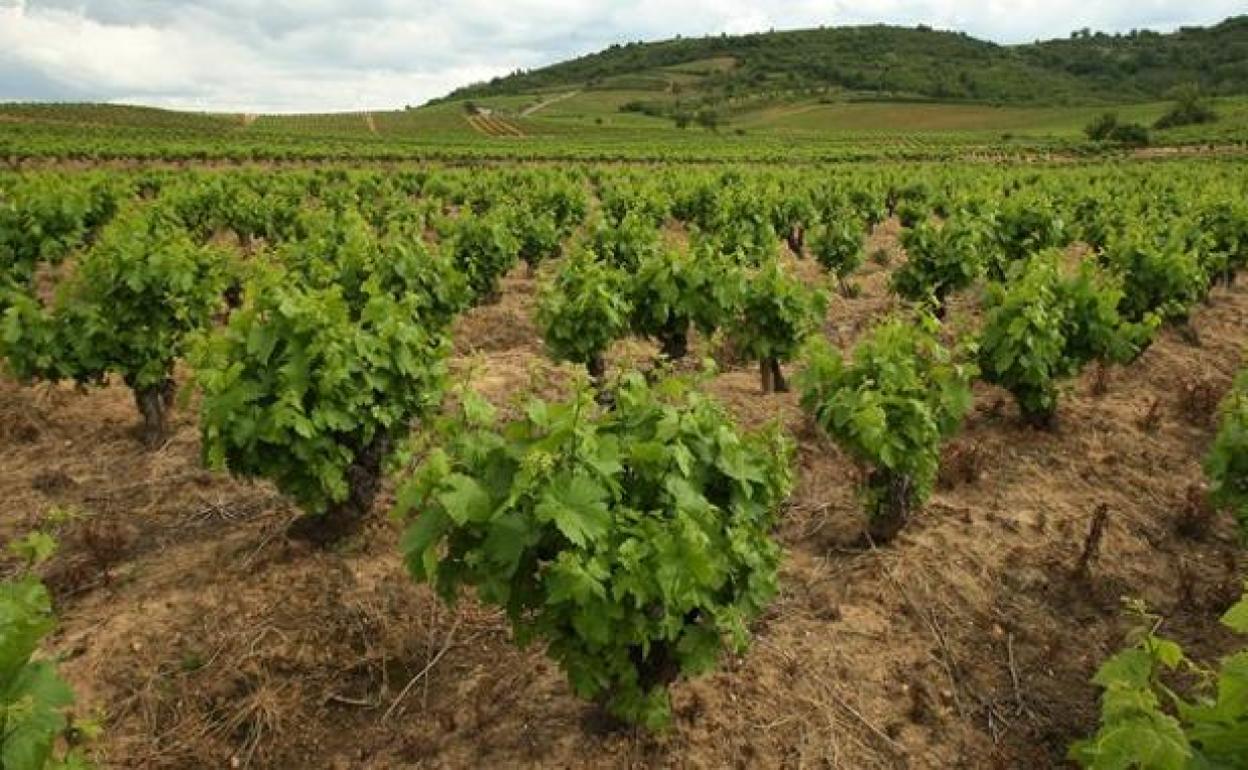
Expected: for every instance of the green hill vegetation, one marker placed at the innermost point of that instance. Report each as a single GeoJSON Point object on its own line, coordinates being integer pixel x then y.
{"type": "Point", "coordinates": [905, 63]}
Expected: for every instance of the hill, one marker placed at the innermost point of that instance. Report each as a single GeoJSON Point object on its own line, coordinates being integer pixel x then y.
{"type": "Point", "coordinates": [903, 63]}
{"type": "Point", "coordinates": [843, 93]}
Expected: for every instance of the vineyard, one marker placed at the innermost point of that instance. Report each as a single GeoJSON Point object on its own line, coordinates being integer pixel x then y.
{"type": "Point", "coordinates": [587, 464]}
{"type": "Point", "coordinates": [592, 126]}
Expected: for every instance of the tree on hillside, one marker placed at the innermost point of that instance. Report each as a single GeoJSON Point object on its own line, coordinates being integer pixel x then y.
{"type": "Point", "coordinates": [1107, 128]}
{"type": "Point", "coordinates": [1189, 109]}
{"type": "Point", "coordinates": [1102, 126]}
{"type": "Point", "coordinates": [708, 119]}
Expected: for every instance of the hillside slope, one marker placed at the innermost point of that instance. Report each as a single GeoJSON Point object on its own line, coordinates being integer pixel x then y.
{"type": "Point", "coordinates": [897, 62]}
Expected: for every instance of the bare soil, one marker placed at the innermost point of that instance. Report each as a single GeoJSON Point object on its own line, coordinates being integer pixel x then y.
{"type": "Point", "coordinates": [208, 640]}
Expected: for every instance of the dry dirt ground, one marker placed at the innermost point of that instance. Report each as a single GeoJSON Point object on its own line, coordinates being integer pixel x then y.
{"type": "Point", "coordinates": [205, 639]}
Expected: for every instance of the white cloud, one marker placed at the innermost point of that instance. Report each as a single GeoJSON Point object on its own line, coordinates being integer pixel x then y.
{"type": "Point", "coordinates": [293, 55]}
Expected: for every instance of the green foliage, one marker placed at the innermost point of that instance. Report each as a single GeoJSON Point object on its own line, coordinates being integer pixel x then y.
{"type": "Point", "coordinates": [1224, 225]}
{"type": "Point", "coordinates": [1101, 127]}
{"type": "Point", "coordinates": [339, 249]}
{"type": "Point", "coordinates": [634, 543]}
{"type": "Point", "coordinates": [940, 261]}
{"type": "Point", "coordinates": [1227, 462]}
{"type": "Point", "coordinates": [696, 199]}
{"type": "Point", "coordinates": [251, 207]}
{"type": "Point", "coordinates": [838, 246]}
{"type": "Point", "coordinates": [672, 290]}
{"type": "Point", "coordinates": [583, 310]}
{"type": "Point", "coordinates": [136, 298]}
{"type": "Point", "coordinates": [889, 61]}
{"type": "Point", "coordinates": [1042, 328]}
{"type": "Point", "coordinates": [302, 381]}
{"type": "Point", "coordinates": [33, 344]}
{"type": "Point", "coordinates": [561, 197]}
{"type": "Point", "coordinates": [484, 250]}
{"type": "Point", "coordinates": [643, 198]}
{"type": "Point", "coordinates": [1161, 275]}
{"type": "Point", "coordinates": [538, 234]}
{"type": "Point", "coordinates": [626, 244]}
{"type": "Point", "coordinates": [1108, 128]}
{"type": "Point", "coordinates": [708, 119]}
{"type": "Point", "coordinates": [890, 406]}
{"type": "Point", "coordinates": [1131, 134]}
{"type": "Point", "coordinates": [45, 217]}
{"type": "Point", "coordinates": [1093, 326]}
{"type": "Point", "coordinates": [1146, 724]}
{"type": "Point", "coordinates": [129, 309]}
{"type": "Point", "coordinates": [778, 313]}
{"type": "Point", "coordinates": [911, 213]}
{"type": "Point", "coordinates": [33, 697]}
{"type": "Point", "coordinates": [35, 548]}
{"type": "Point", "coordinates": [1189, 109]}
{"type": "Point", "coordinates": [740, 226]}
{"type": "Point", "coordinates": [1022, 226]}
{"type": "Point", "coordinates": [793, 211]}
{"type": "Point", "coordinates": [867, 205]}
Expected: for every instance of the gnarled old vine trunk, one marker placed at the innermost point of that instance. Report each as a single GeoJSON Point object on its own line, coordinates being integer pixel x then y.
{"type": "Point", "coordinates": [1040, 419]}
{"type": "Point", "coordinates": [771, 377]}
{"type": "Point", "coordinates": [154, 403]}
{"type": "Point", "coordinates": [894, 502]}
{"type": "Point", "coordinates": [347, 516]}
{"type": "Point", "coordinates": [597, 368]}
{"type": "Point", "coordinates": [658, 669]}
{"type": "Point", "coordinates": [796, 240]}
{"type": "Point", "coordinates": [674, 339]}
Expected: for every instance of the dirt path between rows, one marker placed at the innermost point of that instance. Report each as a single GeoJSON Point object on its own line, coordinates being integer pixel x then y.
{"type": "Point", "coordinates": [527, 111]}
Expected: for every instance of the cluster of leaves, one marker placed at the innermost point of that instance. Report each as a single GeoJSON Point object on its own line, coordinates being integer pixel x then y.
{"type": "Point", "coordinates": [1022, 226]}
{"type": "Point", "coordinates": [563, 198]}
{"type": "Point", "coordinates": [890, 406]}
{"type": "Point", "coordinates": [129, 309]}
{"type": "Point", "coordinates": [644, 199]}
{"type": "Point", "coordinates": [940, 261]}
{"type": "Point", "coordinates": [1224, 224]}
{"type": "Point", "coordinates": [44, 217]}
{"type": "Point", "coordinates": [777, 314]}
{"type": "Point", "coordinates": [538, 235]}
{"type": "Point", "coordinates": [911, 202]}
{"type": "Point", "coordinates": [33, 697]}
{"type": "Point", "coordinates": [484, 249]}
{"type": "Point", "coordinates": [1042, 327]}
{"type": "Point", "coordinates": [635, 543]}
{"type": "Point", "coordinates": [341, 249]}
{"type": "Point", "coordinates": [672, 290]}
{"type": "Point", "coordinates": [1189, 109]}
{"type": "Point", "coordinates": [627, 243]}
{"type": "Point", "coordinates": [328, 362]}
{"type": "Point", "coordinates": [791, 216]}
{"type": "Point", "coordinates": [837, 245]}
{"type": "Point", "coordinates": [1108, 128]}
{"type": "Point", "coordinates": [250, 207]}
{"type": "Point", "coordinates": [911, 213]}
{"type": "Point", "coordinates": [583, 310]}
{"type": "Point", "coordinates": [1160, 272]}
{"type": "Point", "coordinates": [1227, 463]}
{"type": "Point", "coordinates": [741, 227]}
{"type": "Point", "coordinates": [1146, 724]}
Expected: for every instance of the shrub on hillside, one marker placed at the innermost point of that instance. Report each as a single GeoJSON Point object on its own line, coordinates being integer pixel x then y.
{"type": "Point", "coordinates": [1188, 109]}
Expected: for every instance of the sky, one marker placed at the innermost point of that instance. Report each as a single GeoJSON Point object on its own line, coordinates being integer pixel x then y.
{"type": "Point", "coordinates": [265, 56]}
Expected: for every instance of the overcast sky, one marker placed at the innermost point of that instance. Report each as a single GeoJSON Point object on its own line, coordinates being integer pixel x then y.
{"type": "Point", "coordinates": [304, 55]}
